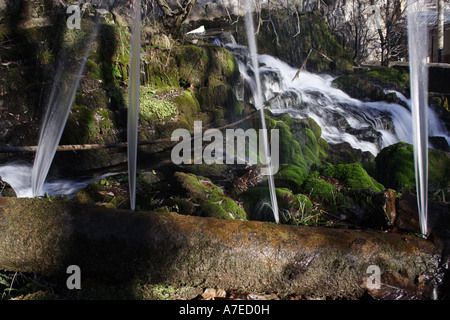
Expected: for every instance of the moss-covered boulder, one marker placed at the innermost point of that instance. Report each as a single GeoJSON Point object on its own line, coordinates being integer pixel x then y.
{"type": "Point", "coordinates": [353, 176]}
{"type": "Point", "coordinates": [109, 193]}
{"type": "Point", "coordinates": [226, 208]}
{"type": "Point", "coordinates": [199, 188]}
{"type": "Point", "coordinates": [292, 207]}
{"type": "Point", "coordinates": [290, 176]}
{"type": "Point", "coordinates": [395, 166]}
{"type": "Point", "coordinates": [200, 196]}
{"type": "Point", "coordinates": [395, 169]}
{"type": "Point", "coordinates": [206, 69]}
{"type": "Point", "coordinates": [300, 143]}
{"type": "Point", "coordinates": [390, 77]}
{"type": "Point", "coordinates": [321, 191]}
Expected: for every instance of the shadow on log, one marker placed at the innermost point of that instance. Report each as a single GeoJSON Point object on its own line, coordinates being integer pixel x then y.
{"type": "Point", "coordinates": [42, 236]}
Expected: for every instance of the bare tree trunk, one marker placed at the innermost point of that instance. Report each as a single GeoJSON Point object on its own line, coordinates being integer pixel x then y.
{"type": "Point", "coordinates": [441, 9]}
{"type": "Point", "coordinates": [45, 237]}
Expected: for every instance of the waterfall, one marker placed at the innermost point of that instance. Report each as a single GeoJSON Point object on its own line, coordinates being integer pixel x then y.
{"type": "Point", "coordinates": [365, 125]}
{"type": "Point", "coordinates": [65, 85]}
{"type": "Point", "coordinates": [18, 175]}
{"type": "Point", "coordinates": [133, 101]}
{"type": "Point", "coordinates": [259, 105]}
{"type": "Point", "coordinates": [418, 47]}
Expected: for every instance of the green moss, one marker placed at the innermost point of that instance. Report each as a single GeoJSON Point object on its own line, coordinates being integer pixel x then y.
{"type": "Point", "coordinates": [223, 209]}
{"type": "Point", "coordinates": [207, 69]}
{"type": "Point", "coordinates": [353, 176]}
{"type": "Point", "coordinates": [388, 76]}
{"type": "Point", "coordinates": [359, 88]}
{"type": "Point", "coordinates": [199, 188]}
{"type": "Point", "coordinates": [153, 109]}
{"type": "Point", "coordinates": [290, 176]}
{"type": "Point", "coordinates": [283, 25]}
{"type": "Point", "coordinates": [320, 190]}
{"type": "Point", "coordinates": [302, 204]}
{"type": "Point", "coordinates": [80, 126]}
{"type": "Point", "coordinates": [300, 142]}
{"type": "Point", "coordinates": [395, 166]}
{"type": "Point", "coordinates": [188, 106]}
{"type": "Point", "coordinates": [289, 148]}
{"type": "Point", "coordinates": [205, 199]}
{"type": "Point", "coordinates": [438, 171]}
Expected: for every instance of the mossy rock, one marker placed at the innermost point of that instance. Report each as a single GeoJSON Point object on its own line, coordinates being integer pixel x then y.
{"type": "Point", "coordinates": [290, 176]}
{"type": "Point", "coordinates": [289, 149]}
{"type": "Point", "coordinates": [226, 208]}
{"type": "Point", "coordinates": [188, 106]}
{"type": "Point", "coordinates": [353, 176]}
{"type": "Point", "coordinates": [359, 88]}
{"type": "Point", "coordinates": [387, 76]}
{"type": "Point", "coordinates": [320, 190]}
{"type": "Point", "coordinates": [283, 25]}
{"type": "Point", "coordinates": [299, 212]}
{"type": "Point", "coordinates": [182, 206]}
{"type": "Point", "coordinates": [199, 188]}
{"type": "Point", "coordinates": [257, 204]}
{"type": "Point", "coordinates": [207, 69]}
{"type": "Point", "coordinates": [205, 199]}
{"type": "Point", "coordinates": [395, 168]}
{"type": "Point", "coordinates": [80, 126]}
{"type": "Point", "coordinates": [300, 142]}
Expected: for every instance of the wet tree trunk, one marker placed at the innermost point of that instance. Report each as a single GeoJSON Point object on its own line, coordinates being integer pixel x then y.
{"type": "Point", "coordinates": [42, 236]}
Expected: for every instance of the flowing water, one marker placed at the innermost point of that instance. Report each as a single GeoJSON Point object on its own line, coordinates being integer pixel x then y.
{"type": "Point", "coordinates": [368, 126]}
{"type": "Point", "coordinates": [418, 47]}
{"type": "Point", "coordinates": [65, 85]}
{"type": "Point", "coordinates": [133, 100]}
{"type": "Point", "coordinates": [259, 105]}
{"type": "Point", "coordinates": [18, 175]}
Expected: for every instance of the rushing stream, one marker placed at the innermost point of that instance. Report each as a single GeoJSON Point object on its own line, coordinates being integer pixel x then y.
{"type": "Point", "coordinates": [368, 126]}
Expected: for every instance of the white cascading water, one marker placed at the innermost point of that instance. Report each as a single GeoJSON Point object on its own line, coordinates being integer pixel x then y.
{"type": "Point", "coordinates": [418, 66]}
{"type": "Point", "coordinates": [368, 126]}
{"type": "Point", "coordinates": [65, 85]}
{"type": "Point", "coordinates": [133, 100]}
{"type": "Point", "coordinates": [18, 175]}
{"type": "Point", "coordinates": [259, 105]}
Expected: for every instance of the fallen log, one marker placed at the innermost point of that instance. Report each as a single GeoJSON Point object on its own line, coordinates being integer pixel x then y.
{"type": "Point", "coordinates": [45, 237]}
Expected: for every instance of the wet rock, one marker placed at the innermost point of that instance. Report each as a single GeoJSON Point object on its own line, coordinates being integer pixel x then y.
{"type": "Point", "coordinates": [395, 286]}
{"type": "Point", "coordinates": [345, 153]}
{"type": "Point", "coordinates": [6, 190]}
{"type": "Point", "coordinates": [440, 143]}
{"type": "Point", "coordinates": [203, 198]}
{"type": "Point", "coordinates": [407, 213]}
{"type": "Point", "coordinates": [360, 89]}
